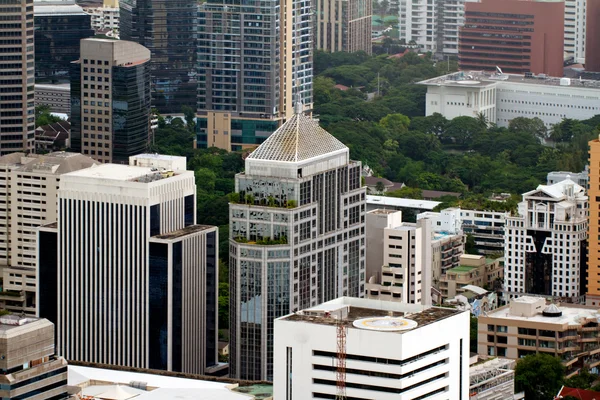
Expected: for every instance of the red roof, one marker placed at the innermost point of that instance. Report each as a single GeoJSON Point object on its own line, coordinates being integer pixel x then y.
{"type": "Point", "coordinates": [341, 87]}
{"type": "Point", "coordinates": [580, 394]}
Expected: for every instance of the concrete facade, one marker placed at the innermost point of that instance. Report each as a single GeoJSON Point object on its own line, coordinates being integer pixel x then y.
{"type": "Point", "coordinates": [17, 122]}
{"type": "Point", "coordinates": [137, 287]}
{"type": "Point", "coordinates": [56, 97]}
{"type": "Point", "coordinates": [545, 244]}
{"type": "Point", "coordinates": [30, 369]}
{"type": "Point", "coordinates": [431, 360]}
{"type": "Point", "coordinates": [343, 25]}
{"type": "Point", "coordinates": [473, 270]}
{"type": "Point", "coordinates": [28, 201]}
{"type": "Point", "coordinates": [593, 241]}
{"type": "Point", "coordinates": [503, 97]}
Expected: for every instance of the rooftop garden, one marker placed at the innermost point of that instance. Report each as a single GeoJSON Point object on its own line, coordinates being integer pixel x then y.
{"type": "Point", "coordinates": [239, 198]}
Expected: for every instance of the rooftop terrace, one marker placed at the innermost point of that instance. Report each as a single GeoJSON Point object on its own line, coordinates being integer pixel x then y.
{"type": "Point", "coordinates": [188, 230]}
{"type": "Point", "coordinates": [461, 269]}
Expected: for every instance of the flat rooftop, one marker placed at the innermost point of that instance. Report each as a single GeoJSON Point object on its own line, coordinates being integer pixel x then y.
{"type": "Point", "coordinates": [487, 78]}
{"type": "Point", "coordinates": [571, 315]}
{"type": "Point", "coordinates": [366, 308]}
{"type": "Point", "coordinates": [461, 269]}
{"type": "Point", "coordinates": [12, 325]}
{"type": "Point", "coordinates": [188, 230]}
{"type": "Point", "coordinates": [382, 211]}
{"type": "Point", "coordinates": [399, 202]}
{"type": "Point", "coordinates": [121, 172]}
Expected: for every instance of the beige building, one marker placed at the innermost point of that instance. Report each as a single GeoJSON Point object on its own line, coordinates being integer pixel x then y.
{"type": "Point", "coordinates": [57, 97]}
{"type": "Point", "coordinates": [473, 270]}
{"type": "Point", "coordinates": [529, 326]}
{"type": "Point", "coordinates": [17, 120]}
{"type": "Point", "coordinates": [30, 369]}
{"type": "Point", "coordinates": [344, 25]}
{"type": "Point", "coordinates": [110, 115]}
{"type": "Point", "coordinates": [29, 186]}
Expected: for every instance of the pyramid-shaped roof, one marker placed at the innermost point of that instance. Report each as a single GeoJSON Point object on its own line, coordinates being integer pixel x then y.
{"type": "Point", "coordinates": [300, 138]}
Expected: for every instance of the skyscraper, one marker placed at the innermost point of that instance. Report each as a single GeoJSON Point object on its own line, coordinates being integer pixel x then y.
{"type": "Point", "coordinates": [17, 119]}
{"type": "Point", "coordinates": [297, 237]}
{"type": "Point", "coordinates": [592, 36]}
{"type": "Point", "coordinates": [593, 262]}
{"type": "Point", "coordinates": [59, 26]}
{"type": "Point", "coordinates": [254, 62]}
{"type": "Point", "coordinates": [516, 35]}
{"type": "Point", "coordinates": [110, 100]}
{"type": "Point", "coordinates": [168, 29]}
{"type": "Point", "coordinates": [343, 25]}
{"type": "Point", "coordinates": [125, 272]}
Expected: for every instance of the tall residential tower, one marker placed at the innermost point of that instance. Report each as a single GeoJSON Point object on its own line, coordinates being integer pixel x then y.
{"type": "Point", "coordinates": [344, 25]}
{"type": "Point", "coordinates": [255, 61]}
{"type": "Point", "coordinates": [297, 237]}
{"type": "Point", "coordinates": [17, 119]}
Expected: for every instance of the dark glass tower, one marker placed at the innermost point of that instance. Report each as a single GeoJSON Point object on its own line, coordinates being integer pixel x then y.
{"type": "Point", "coordinates": [58, 30]}
{"type": "Point", "coordinates": [168, 29]}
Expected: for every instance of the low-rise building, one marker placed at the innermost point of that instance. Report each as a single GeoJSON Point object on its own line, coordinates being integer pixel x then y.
{"type": "Point", "coordinates": [487, 229]}
{"type": "Point", "coordinates": [473, 270]}
{"type": "Point", "coordinates": [503, 97]}
{"type": "Point", "coordinates": [580, 178]}
{"type": "Point", "coordinates": [493, 379]}
{"type": "Point", "coordinates": [529, 325]}
{"type": "Point", "coordinates": [52, 137]}
{"type": "Point", "coordinates": [391, 351]}
{"type": "Point", "coordinates": [29, 367]}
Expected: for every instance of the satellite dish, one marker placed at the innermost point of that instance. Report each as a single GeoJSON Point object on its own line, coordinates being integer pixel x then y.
{"type": "Point", "coordinates": [498, 70]}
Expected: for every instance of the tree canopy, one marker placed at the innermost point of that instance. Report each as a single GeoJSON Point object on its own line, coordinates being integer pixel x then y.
{"type": "Point", "coordinates": [540, 376]}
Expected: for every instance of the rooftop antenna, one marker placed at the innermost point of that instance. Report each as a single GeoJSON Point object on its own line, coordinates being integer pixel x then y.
{"type": "Point", "coordinates": [499, 70]}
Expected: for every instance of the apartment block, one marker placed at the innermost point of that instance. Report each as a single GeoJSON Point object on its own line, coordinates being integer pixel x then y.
{"type": "Point", "coordinates": [59, 26]}
{"type": "Point", "coordinates": [246, 91]}
{"type": "Point", "coordinates": [392, 351]}
{"type": "Point", "coordinates": [487, 229]}
{"type": "Point", "coordinates": [503, 97]}
{"type": "Point", "coordinates": [545, 244]}
{"type": "Point", "coordinates": [593, 233]}
{"type": "Point", "coordinates": [29, 365]}
{"type": "Point", "coordinates": [297, 237]}
{"type": "Point", "coordinates": [105, 18]}
{"type": "Point", "coordinates": [17, 120]}
{"type": "Point", "coordinates": [29, 199]}
{"type": "Point", "coordinates": [535, 43]}
{"type": "Point", "coordinates": [473, 270]}
{"type": "Point", "coordinates": [343, 25]}
{"type": "Point", "coordinates": [110, 100]}
{"type": "Point", "coordinates": [126, 274]}
{"type": "Point", "coordinates": [575, 30]}
{"type": "Point", "coordinates": [529, 325]}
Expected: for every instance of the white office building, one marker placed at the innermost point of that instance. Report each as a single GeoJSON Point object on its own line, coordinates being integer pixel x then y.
{"type": "Point", "coordinates": [575, 13]}
{"type": "Point", "coordinates": [125, 274]}
{"type": "Point", "coordinates": [544, 246]}
{"type": "Point", "coordinates": [392, 351]}
{"type": "Point", "coordinates": [503, 97]}
{"type": "Point", "coordinates": [28, 199]}
{"type": "Point", "coordinates": [297, 237]}
{"type": "Point", "coordinates": [580, 178]}
{"type": "Point", "coordinates": [418, 23]}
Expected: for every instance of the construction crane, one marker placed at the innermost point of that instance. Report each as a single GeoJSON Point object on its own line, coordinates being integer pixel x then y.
{"type": "Point", "coordinates": [341, 361]}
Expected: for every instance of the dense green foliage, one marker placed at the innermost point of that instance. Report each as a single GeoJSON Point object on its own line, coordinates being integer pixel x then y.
{"type": "Point", "coordinates": [43, 116]}
{"type": "Point", "coordinates": [540, 376]}
{"type": "Point", "coordinates": [390, 134]}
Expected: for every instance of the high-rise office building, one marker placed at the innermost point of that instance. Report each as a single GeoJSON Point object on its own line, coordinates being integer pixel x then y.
{"type": "Point", "coordinates": [110, 100]}
{"type": "Point", "coordinates": [255, 61]}
{"type": "Point", "coordinates": [30, 369]}
{"type": "Point", "coordinates": [106, 17]}
{"type": "Point", "coordinates": [544, 246]}
{"type": "Point", "coordinates": [593, 262]}
{"type": "Point", "coordinates": [517, 36]}
{"type": "Point", "coordinates": [28, 200]}
{"type": "Point", "coordinates": [297, 237]}
{"type": "Point", "coordinates": [168, 29]}
{"type": "Point", "coordinates": [17, 119]}
{"type": "Point", "coordinates": [125, 272]}
{"type": "Point", "coordinates": [343, 25]}
{"type": "Point", "coordinates": [59, 26]}
{"type": "Point", "coordinates": [592, 36]}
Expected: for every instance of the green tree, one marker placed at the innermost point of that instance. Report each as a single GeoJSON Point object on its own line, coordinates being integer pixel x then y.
{"type": "Point", "coordinates": [379, 187]}
{"type": "Point", "coordinates": [470, 245]}
{"type": "Point", "coordinates": [540, 376]}
{"type": "Point", "coordinates": [407, 193]}
{"type": "Point", "coordinates": [43, 116]}
{"type": "Point", "coordinates": [583, 380]}
{"type": "Point", "coordinates": [533, 126]}
{"type": "Point", "coordinates": [224, 305]}
{"type": "Point", "coordinates": [190, 118]}
{"type": "Point", "coordinates": [473, 334]}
